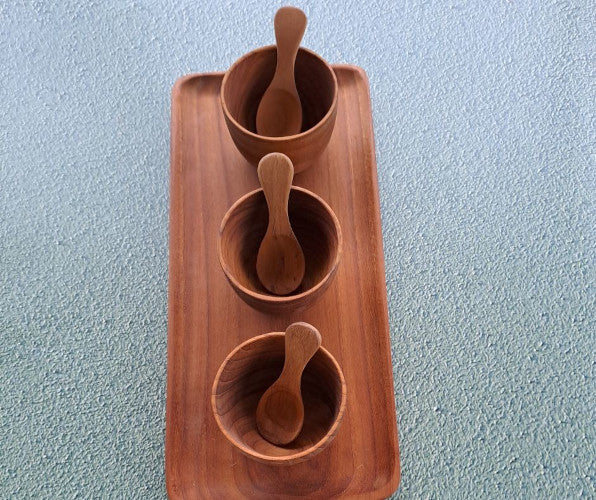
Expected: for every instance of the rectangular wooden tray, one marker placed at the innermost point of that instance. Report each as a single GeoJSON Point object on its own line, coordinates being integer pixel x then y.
{"type": "Point", "coordinates": [206, 319]}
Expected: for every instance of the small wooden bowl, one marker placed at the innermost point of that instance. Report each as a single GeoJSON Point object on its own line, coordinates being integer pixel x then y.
{"type": "Point", "coordinates": [242, 229]}
{"type": "Point", "coordinates": [245, 83]}
{"type": "Point", "coordinates": [244, 376]}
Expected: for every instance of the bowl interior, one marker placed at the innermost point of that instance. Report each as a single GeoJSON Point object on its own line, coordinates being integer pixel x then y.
{"type": "Point", "coordinates": [251, 75]}
{"type": "Point", "coordinates": [313, 225]}
{"type": "Point", "coordinates": [250, 371]}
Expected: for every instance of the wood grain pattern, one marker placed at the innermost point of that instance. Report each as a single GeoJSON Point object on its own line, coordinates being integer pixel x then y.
{"type": "Point", "coordinates": [207, 320]}
{"type": "Point", "coordinates": [245, 375]}
{"type": "Point", "coordinates": [319, 234]}
{"type": "Point", "coordinates": [243, 87]}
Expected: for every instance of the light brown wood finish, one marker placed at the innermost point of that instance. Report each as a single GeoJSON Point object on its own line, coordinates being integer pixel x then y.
{"type": "Point", "coordinates": [245, 375]}
{"type": "Point", "coordinates": [280, 413]}
{"type": "Point", "coordinates": [280, 113]}
{"type": "Point", "coordinates": [243, 87]}
{"type": "Point", "coordinates": [319, 234]}
{"type": "Point", "coordinates": [280, 260]}
{"type": "Point", "coordinates": [207, 319]}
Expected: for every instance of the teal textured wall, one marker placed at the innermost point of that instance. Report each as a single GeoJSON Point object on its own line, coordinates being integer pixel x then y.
{"type": "Point", "coordinates": [484, 123]}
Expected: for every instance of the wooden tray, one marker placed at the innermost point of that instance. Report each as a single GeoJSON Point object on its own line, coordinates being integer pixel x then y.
{"type": "Point", "coordinates": [207, 319]}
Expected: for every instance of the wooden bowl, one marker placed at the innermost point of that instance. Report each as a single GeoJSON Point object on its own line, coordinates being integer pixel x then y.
{"type": "Point", "coordinates": [242, 229]}
{"type": "Point", "coordinates": [244, 376]}
{"type": "Point", "coordinates": [245, 83]}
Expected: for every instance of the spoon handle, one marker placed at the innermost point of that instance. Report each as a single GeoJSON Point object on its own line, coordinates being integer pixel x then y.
{"type": "Point", "coordinates": [290, 24]}
{"type": "Point", "coordinates": [275, 173]}
{"type": "Point", "coordinates": [301, 343]}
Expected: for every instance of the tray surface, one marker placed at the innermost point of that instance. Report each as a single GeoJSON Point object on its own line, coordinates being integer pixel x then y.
{"type": "Point", "coordinates": [206, 319]}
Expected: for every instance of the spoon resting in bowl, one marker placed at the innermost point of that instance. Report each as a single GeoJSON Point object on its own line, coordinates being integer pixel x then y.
{"type": "Point", "coordinates": [280, 260]}
{"type": "Point", "coordinates": [280, 413]}
{"type": "Point", "coordinates": [280, 113]}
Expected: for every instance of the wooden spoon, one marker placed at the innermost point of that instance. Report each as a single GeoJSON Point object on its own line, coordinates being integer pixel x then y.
{"type": "Point", "coordinates": [280, 261]}
{"type": "Point", "coordinates": [280, 112]}
{"type": "Point", "coordinates": [280, 413]}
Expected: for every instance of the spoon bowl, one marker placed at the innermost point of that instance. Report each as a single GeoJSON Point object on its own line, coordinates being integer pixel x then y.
{"type": "Point", "coordinates": [279, 114]}
{"type": "Point", "coordinates": [280, 263]}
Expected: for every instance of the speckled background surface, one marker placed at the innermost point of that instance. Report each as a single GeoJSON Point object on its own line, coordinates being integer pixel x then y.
{"type": "Point", "coordinates": [484, 122]}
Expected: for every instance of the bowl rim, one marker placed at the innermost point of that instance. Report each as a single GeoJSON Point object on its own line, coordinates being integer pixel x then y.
{"type": "Point", "coordinates": [287, 459]}
{"type": "Point", "coordinates": [284, 138]}
{"type": "Point", "coordinates": [279, 299]}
